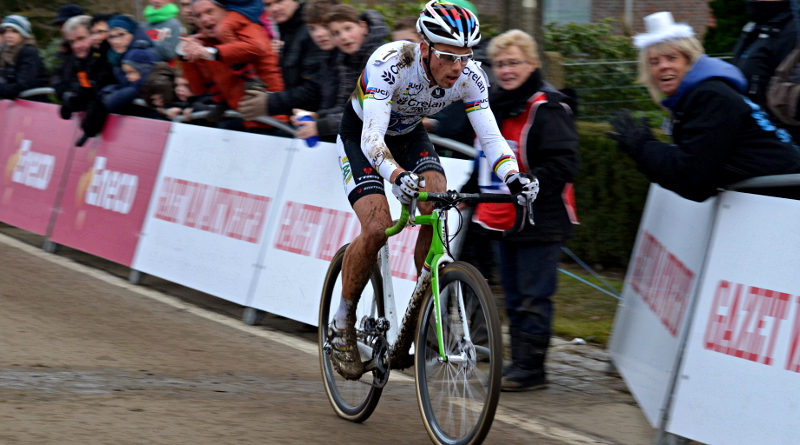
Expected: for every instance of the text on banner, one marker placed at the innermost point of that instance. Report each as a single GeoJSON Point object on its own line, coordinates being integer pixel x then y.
{"type": "Point", "coordinates": [231, 213]}
{"type": "Point", "coordinates": [663, 282]}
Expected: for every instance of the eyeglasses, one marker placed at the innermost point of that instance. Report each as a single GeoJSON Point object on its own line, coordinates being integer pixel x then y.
{"type": "Point", "coordinates": [450, 57]}
{"type": "Point", "coordinates": [510, 63]}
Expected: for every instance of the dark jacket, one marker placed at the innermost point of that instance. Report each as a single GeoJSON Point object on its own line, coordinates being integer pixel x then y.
{"type": "Point", "coordinates": [762, 47]}
{"type": "Point", "coordinates": [97, 70]}
{"type": "Point", "coordinates": [300, 59]}
{"type": "Point", "coordinates": [119, 97]}
{"type": "Point", "coordinates": [350, 68]}
{"type": "Point", "coordinates": [29, 72]}
{"type": "Point", "coordinates": [551, 148]}
{"type": "Point", "coordinates": [720, 136]}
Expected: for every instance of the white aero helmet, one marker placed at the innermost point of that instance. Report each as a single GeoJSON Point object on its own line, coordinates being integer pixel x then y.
{"type": "Point", "coordinates": [442, 22]}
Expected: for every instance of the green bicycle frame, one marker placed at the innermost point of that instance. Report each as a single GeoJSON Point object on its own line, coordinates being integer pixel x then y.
{"type": "Point", "coordinates": [436, 252]}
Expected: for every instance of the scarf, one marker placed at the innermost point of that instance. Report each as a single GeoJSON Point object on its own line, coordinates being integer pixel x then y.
{"type": "Point", "coordinates": [511, 103]}
{"type": "Point", "coordinates": [166, 12]}
{"type": "Point", "coordinates": [8, 54]}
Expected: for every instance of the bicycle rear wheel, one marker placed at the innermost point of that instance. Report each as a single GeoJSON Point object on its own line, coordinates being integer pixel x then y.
{"type": "Point", "coordinates": [458, 397]}
{"type": "Point", "coordinates": [354, 400]}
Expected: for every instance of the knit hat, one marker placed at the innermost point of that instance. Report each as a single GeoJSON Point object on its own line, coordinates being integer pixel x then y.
{"type": "Point", "coordinates": [18, 23]}
{"type": "Point", "coordinates": [67, 12]}
{"type": "Point", "coordinates": [661, 27]}
{"type": "Point", "coordinates": [123, 21]}
{"type": "Point", "coordinates": [140, 59]}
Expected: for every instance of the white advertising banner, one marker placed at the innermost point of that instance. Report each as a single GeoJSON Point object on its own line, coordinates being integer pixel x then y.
{"type": "Point", "coordinates": [314, 221]}
{"type": "Point", "coordinates": [740, 377]}
{"type": "Point", "coordinates": [662, 275]}
{"type": "Point", "coordinates": [214, 194]}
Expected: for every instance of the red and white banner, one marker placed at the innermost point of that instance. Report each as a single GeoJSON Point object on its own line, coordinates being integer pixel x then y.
{"type": "Point", "coordinates": [214, 196]}
{"type": "Point", "coordinates": [109, 188]}
{"type": "Point", "coordinates": [33, 162]}
{"type": "Point", "coordinates": [740, 378]}
{"type": "Point", "coordinates": [659, 286]}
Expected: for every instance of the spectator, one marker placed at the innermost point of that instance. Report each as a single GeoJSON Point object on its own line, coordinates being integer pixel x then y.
{"type": "Point", "coordinates": [185, 101]}
{"type": "Point", "coordinates": [271, 27]}
{"type": "Point", "coordinates": [356, 37]}
{"type": "Point", "coordinates": [301, 58]}
{"type": "Point", "coordinates": [227, 38]}
{"type": "Point", "coordinates": [84, 72]}
{"type": "Point", "coordinates": [187, 17]}
{"type": "Point", "coordinates": [64, 13]}
{"type": "Point", "coordinates": [136, 65]}
{"type": "Point", "coordinates": [21, 68]}
{"type": "Point", "coordinates": [99, 30]}
{"type": "Point", "coordinates": [763, 45]}
{"type": "Point", "coordinates": [327, 77]}
{"type": "Point", "coordinates": [541, 131]}
{"type": "Point", "coordinates": [163, 27]}
{"type": "Point", "coordinates": [720, 135]}
{"type": "Point", "coordinates": [406, 29]}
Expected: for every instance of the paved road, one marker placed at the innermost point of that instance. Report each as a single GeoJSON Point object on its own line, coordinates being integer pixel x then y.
{"type": "Point", "coordinates": [87, 358]}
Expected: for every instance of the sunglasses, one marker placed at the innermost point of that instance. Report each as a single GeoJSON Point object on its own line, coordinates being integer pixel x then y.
{"type": "Point", "coordinates": [450, 57]}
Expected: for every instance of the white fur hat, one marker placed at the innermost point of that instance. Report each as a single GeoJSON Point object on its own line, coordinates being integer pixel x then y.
{"type": "Point", "coordinates": [660, 27]}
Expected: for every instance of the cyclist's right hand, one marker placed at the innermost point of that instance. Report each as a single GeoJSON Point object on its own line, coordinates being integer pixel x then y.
{"type": "Point", "coordinates": [405, 185]}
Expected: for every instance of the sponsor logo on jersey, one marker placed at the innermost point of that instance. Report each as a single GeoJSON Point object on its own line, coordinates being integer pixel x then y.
{"type": "Point", "coordinates": [475, 77]}
{"type": "Point", "coordinates": [437, 93]}
{"type": "Point", "coordinates": [347, 174]}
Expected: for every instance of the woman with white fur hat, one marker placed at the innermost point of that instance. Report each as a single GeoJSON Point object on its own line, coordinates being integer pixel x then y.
{"type": "Point", "coordinates": [21, 68]}
{"type": "Point", "coordinates": [719, 135]}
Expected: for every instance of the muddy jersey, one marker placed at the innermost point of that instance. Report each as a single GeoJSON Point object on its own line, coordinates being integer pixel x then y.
{"type": "Point", "coordinates": [393, 95]}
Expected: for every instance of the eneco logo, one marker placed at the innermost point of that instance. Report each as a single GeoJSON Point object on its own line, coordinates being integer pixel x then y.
{"type": "Point", "coordinates": [107, 189]}
{"type": "Point", "coordinates": [29, 168]}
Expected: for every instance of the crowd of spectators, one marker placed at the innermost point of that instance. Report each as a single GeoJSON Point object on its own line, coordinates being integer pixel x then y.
{"type": "Point", "coordinates": [222, 63]}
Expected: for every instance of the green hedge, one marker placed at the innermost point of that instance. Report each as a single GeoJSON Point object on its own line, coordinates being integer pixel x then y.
{"type": "Point", "coordinates": [610, 195]}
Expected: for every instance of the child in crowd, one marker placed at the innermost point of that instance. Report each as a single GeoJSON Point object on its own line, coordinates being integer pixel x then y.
{"type": "Point", "coordinates": [184, 101]}
{"type": "Point", "coordinates": [357, 37]}
{"type": "Point", "coordinates": [163, 27]}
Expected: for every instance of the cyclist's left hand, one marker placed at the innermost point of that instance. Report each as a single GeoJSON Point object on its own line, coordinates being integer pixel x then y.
{"type": "Point", "coordinates": [524, 185]}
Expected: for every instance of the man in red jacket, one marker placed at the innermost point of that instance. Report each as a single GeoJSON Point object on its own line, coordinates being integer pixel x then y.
{"type": "Point", "coordinates": [227, 47]}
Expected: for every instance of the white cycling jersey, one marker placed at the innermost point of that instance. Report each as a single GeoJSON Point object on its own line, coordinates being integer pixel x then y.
{"type": "Point", "coordinates": [394, 94]}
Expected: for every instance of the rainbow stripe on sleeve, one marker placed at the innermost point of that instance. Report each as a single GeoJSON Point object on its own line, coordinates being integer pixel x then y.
{"type": "Point", "coordinates": [362, 88]}
{"type": "Point", "coordinates": [472, 106]}
{"type": "Point", "coordinates": [502, 160]}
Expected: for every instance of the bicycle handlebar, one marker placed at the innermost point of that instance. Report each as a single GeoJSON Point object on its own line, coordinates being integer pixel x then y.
{"type": "Point", "coordinates": [451, 198]}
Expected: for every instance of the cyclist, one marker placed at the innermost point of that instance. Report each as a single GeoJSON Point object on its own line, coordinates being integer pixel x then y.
{"type": "Point", "coordinates": [380, 137]}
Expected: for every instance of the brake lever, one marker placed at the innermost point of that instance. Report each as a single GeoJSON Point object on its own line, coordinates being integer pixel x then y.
{"type": "Point", "coordinates": [529, 203]}
{"type": "Point", "coordinates": [412, 208]}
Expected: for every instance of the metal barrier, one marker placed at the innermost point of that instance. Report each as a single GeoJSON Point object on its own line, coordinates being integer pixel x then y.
{"type": "Point", "coordinates": [36, 92]}
{"type": "Point", "coordinates": [436, 140]}
{"type": "Point", "coordinates": [453, 145]}
{"type": "Point", "coordinates": [767, 182]}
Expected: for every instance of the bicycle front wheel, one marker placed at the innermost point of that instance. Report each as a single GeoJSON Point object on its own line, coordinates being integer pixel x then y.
{"type": "Point", "coordinates": [458, 395]}
{"type": "Point", "coordinates": [354, 400]}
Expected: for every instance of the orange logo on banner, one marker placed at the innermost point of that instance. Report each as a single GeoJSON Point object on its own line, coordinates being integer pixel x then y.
{"type": "Point", "coordinates": [109, 190]}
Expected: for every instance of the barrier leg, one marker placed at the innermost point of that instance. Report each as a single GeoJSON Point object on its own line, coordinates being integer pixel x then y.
{"type": "Point", "coordinates": [135, 277]}
{"type": "Point", "coordinates": [49, 246]}
{"type": "Point", "coordinates": [252, 316]}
